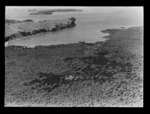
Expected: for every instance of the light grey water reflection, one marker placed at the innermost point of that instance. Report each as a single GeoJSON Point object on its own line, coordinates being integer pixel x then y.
{"type": "Point", "coordinates": [89, 23]}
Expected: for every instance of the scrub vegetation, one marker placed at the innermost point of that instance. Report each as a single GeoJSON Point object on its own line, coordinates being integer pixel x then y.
{"type": "Point", "coordinates": [101, 74]}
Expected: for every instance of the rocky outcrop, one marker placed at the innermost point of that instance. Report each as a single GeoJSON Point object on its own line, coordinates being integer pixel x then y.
{"type": "Point", "coordinates": [60, 26]}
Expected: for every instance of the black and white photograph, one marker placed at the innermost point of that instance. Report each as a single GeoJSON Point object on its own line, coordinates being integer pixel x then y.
{"type": "Point", "coordinates": [73, 56]}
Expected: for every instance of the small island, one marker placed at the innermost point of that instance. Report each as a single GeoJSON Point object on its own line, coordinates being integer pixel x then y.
{"type": "Point", "coordinates": [51, 11]}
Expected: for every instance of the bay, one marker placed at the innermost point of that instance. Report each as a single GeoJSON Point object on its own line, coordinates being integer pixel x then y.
{"type": "Point", "coordinates": [89, 24]}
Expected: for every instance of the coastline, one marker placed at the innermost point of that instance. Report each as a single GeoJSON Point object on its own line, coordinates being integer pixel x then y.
{"type": "Point", "coordinates": [106, 37]}
{"type": "Point", "coordinates": [38, 35]}
{"type": "Point", "coordinates": [7, 43]}
{"type": "Point", "coordinates": [57, 27]}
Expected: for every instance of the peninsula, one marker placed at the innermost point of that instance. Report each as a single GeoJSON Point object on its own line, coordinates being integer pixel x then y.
{"type": "Point", "coordinates": [18, 29]}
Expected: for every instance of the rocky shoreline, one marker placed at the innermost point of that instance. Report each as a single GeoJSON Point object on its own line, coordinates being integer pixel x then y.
{"type": "Point", "coordinates": [59, 26]}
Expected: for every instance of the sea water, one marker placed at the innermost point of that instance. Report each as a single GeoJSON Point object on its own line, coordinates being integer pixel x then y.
{"type": "Point", "coordinates": [89, 24]}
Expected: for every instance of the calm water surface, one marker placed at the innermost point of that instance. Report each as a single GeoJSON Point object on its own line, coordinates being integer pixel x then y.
{"type": "Point", "coordinates": [89, 24]}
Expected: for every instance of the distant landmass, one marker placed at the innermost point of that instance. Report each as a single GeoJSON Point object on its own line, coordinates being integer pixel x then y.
{"type": "Point", "coordinates": [32, 10]}
{"type": "Point", "coordinates": [50, 11]}
{"type": "Point", "coordinates": [12, 21]}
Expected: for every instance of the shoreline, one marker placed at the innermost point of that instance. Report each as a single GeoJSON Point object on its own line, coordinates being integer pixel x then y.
{"type": "Point", "coordinates": [7, 43]}
{"type": "Point", "coordinates": [27, 37]}
{"type": "Point", "coordinates": [57, 26]}
{"type": "Point", "coordinates": [106, 37]}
